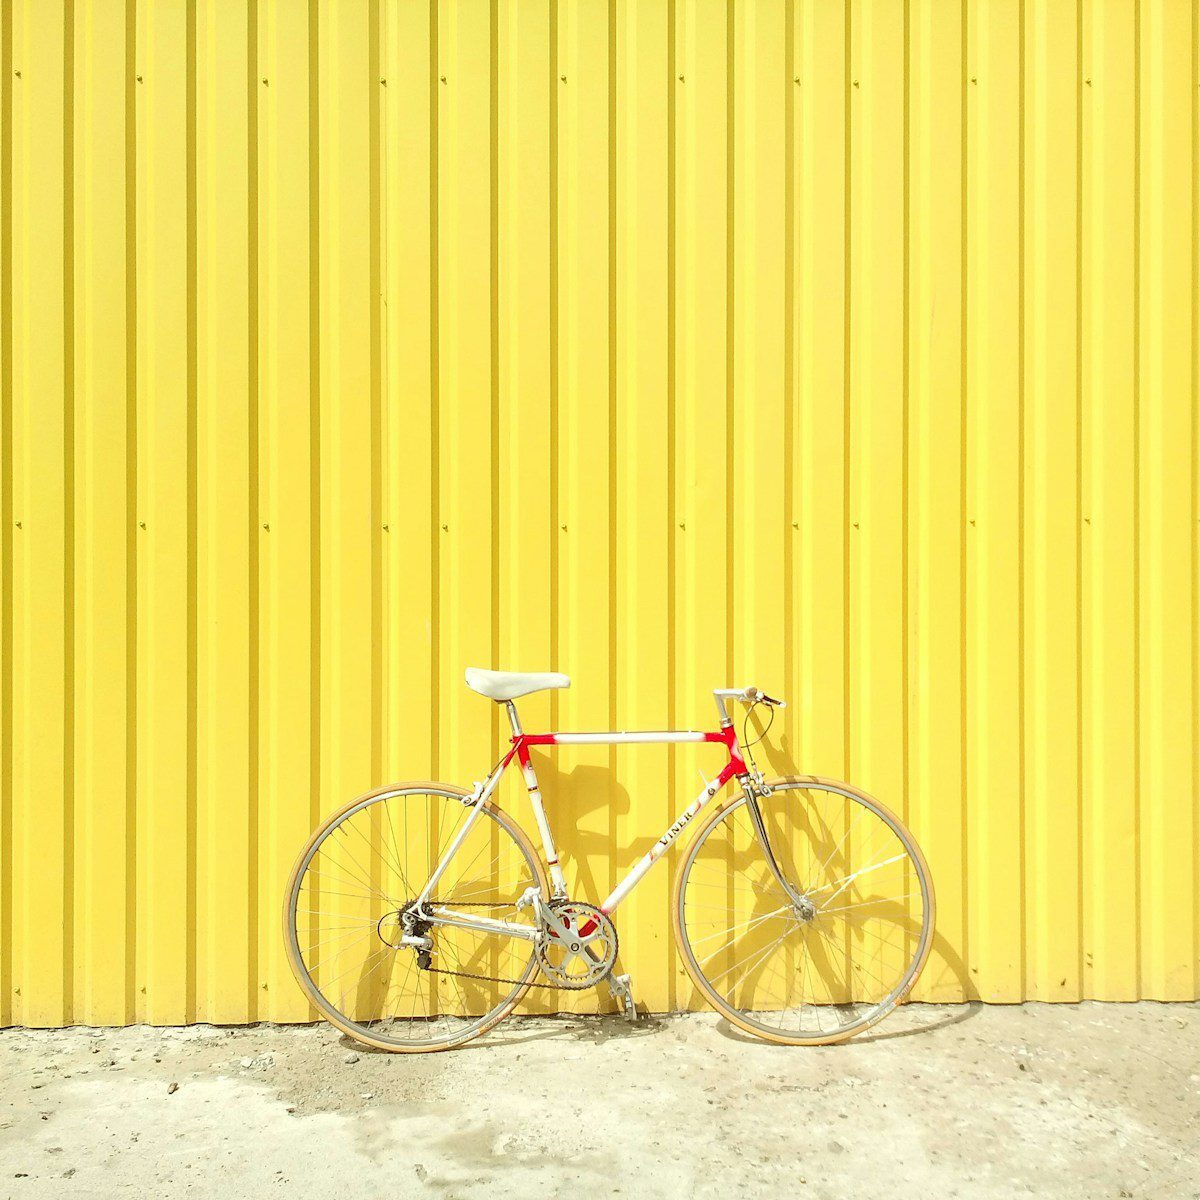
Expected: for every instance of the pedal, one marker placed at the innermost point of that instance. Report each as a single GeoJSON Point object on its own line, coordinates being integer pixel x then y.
{"type": "Point", "coordinates": [619, 986]}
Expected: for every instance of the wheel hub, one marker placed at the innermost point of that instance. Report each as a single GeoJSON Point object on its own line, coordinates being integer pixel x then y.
{"type": "Point", "coordinates": [399, 927]}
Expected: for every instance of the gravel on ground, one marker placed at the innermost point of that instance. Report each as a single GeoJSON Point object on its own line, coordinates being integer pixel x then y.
{"type": "Point", "coordinates": [1085, 1100]}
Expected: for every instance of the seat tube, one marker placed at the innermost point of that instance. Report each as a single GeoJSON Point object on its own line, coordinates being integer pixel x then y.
{"type": "Point", "coordinates": [535, 800]}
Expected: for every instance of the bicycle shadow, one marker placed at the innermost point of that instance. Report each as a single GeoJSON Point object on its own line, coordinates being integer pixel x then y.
{"type": "Point", "coordinates": [944, 971]}
{"type": "Point", "coordinates": [573, 797]}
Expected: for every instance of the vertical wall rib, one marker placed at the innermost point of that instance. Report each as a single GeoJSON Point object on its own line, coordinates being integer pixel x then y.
{"type": "Point", "coordinates": [851, 348]}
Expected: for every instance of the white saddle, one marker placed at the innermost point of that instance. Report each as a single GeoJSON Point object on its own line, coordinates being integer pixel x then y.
{"type": "Point", "coordinates": [508, 685]}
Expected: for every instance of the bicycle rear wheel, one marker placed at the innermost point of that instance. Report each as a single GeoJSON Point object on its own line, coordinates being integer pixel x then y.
{"type": "Point", "coordinates": [825, 967]}
{"type": "Point", "coordinates": [347, 911]}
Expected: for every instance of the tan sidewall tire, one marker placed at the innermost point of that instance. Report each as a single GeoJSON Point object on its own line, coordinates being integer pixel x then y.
{"type": "Point", "coordinates": [306, 984]}
{"type": "Point", "coordinates": [788, 783]}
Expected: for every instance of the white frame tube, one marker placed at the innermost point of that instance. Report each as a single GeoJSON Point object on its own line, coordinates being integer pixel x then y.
{"type": "Point", "coordinates": [660, 847]}
{"type": "Point", "coordinates": [485, 790]}
{"type": "Point", "coordinates": [557, 880]}
{"type": "Point", "coordinates": [486, 925]}
{"type": "Point", "coordinates": [616, 737]}
{"type": "Point", "coordinates": [445, 916]}
{"type": "Point", "coordinates": [530, 775]}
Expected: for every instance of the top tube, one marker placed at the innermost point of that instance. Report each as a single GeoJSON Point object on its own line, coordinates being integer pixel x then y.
{"type": "Point", "coordinates": [616, 736]}
{"type": "Point", "coordinates": [725, 737]}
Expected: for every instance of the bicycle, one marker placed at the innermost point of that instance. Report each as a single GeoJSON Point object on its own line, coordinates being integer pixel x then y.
{"type": "Point", "coordinates": [418, 915]}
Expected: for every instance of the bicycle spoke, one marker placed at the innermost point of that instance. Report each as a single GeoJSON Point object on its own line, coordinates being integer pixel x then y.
{"type": "Point", "coordinates": [833, 967]}
{"type": "Point", "coordinates": [353, 960]}
{"type": "Point", "coordinates": [744, 926]}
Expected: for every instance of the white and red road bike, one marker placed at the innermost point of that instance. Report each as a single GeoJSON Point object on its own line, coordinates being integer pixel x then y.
{"type": "Point", "coordinates": [420, 914]}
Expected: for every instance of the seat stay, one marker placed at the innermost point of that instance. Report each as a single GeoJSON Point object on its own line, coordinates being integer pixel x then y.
{"type": "Point", "coordinates": [477, 799]}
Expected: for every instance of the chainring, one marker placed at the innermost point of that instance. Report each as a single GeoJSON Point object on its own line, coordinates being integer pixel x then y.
{"type": "Point", "coordinates": [585, 953]}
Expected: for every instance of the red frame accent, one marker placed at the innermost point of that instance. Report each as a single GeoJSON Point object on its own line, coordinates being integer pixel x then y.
{"type": "Point", "coordinates": [735, 766]}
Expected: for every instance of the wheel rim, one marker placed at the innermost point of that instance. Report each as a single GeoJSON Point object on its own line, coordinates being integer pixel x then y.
{"type": "Point", "coordinates": [350, 904]}
{"type": "Point", "coordinates": [835, 962]}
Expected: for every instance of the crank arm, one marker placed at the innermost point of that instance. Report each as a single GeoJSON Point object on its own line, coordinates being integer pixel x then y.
{"type": "Point", "coordinates": [618, 985]}
{"type": "Point", "coordinates": [553, 922]}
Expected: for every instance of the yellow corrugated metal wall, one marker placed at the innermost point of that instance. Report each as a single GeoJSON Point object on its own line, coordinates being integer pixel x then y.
{"type": "Point", "coordinates": [850, 350]}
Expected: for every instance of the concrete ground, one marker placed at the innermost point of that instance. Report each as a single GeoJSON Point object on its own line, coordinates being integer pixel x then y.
{"type": "Point", "coordinates": [1091, 1100]}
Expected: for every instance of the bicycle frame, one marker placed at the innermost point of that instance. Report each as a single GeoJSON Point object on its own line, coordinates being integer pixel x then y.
{"type": "Point", "coordinates": [735, 767]}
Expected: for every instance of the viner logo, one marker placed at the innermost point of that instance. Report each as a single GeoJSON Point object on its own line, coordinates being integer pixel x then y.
{"type": "Point", "coordinates": [673, 832]}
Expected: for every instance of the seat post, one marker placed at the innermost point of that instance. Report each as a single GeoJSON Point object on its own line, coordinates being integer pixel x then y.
{"type": "Point", "coordinates": [513, 719]}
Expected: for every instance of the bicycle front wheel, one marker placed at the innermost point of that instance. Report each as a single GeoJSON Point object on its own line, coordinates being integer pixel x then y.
{"type": "Point", "coordinates": [355, 947]}
{"type": "Point", "coordinates": [835, 958]}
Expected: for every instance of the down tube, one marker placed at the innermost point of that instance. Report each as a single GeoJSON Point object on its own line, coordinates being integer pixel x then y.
{"type": "Point", "coordinates": [659, 848]}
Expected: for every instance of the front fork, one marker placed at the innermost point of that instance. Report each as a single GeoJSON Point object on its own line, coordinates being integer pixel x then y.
{"type": "Point", "coordinates": [803, 905]}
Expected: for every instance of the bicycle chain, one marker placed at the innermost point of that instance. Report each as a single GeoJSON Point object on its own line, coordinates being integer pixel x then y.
{"type": "Point", "coordinates": [554, 987]}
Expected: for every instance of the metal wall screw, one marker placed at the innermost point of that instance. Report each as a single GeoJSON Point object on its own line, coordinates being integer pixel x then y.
{"type": "Point", "coordinates": [443, 79]}
{"type": "Point", "coordinates": [266, 527]}
{"type": "Point", "coordinates": [445, 528]}
{"type": "Point", "coordinates": [383, 83]}
{"type": "Point", "coordinates": [563, 78]}
{"type": "Point", "coordinates": [17, 74]}
{"type": "Point", "coordinates": [139, 79]}
{"type": "Point", "coordinates": [387, 529]}
{"type": "Point", "coordinates": [266, 83]}
{"type": "Point", "coordinates": [795, 78]}
{"type": "Point", "coordinates": [141, 524]}
{"type": "Point", "coordinates": [18, 524]}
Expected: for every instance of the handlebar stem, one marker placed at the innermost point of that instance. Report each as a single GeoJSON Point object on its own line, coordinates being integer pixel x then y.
{"type": "Point", "coordinates": [747, 695]}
